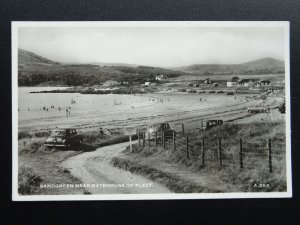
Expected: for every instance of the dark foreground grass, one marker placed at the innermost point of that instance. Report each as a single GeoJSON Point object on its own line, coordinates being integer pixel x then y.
{"type": "Point", "coordinates": [178, 173]}
{"type": "Point", "coordinates": [171, 181]}
{"type": "Point", "coordinates": [39, 165]}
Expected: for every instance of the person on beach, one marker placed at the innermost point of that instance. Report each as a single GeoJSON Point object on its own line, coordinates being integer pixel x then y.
{"type": "Point", "coordinates": [58, 108]}
{"type": "Point", "coordinates": [67, 112]}
{"type": "Point", "coordinates": [28, 108]}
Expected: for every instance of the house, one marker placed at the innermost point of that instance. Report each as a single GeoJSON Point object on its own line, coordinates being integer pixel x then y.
{"type": "Point", "coordinates": [264, 82]}
{"type": "Point", "coordinates": [246, 82]}
{"type": "Point", "coordinates": [110, 83]}
{"type": "Point", "coordinates": [147, 83]}
{"type": "Point", "coordinates": [207, 81]}
{"type": "Point", "coordinates": [231, 83]}
{"type": "Point", "coordinates": [161, 77]}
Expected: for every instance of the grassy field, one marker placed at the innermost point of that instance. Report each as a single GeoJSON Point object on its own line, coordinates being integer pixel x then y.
{"type": "Point", "coordinates": [39, 166]}
{"type": "Point", "coordinates": [184, 175]}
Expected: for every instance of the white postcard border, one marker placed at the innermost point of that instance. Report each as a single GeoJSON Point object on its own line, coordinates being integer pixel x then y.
{"type": "Point", "coordinates": [14, 39]}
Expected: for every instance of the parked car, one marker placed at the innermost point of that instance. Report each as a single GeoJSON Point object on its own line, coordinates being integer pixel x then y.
{"type": "Point", "coordinates": [191, 91]}
{"type": "Point", "coordinates": [230, 93]}
{"type": "Point", "coordinates": [211, 123]}
{"type": "Point", "coordinates": [181, 90]}
{"type": "Point", "coordinates": [258, 109]}
{"type": "Point", "coordinates": [157, 128]}
{"type": "Point", "coordinates": [64, 137]}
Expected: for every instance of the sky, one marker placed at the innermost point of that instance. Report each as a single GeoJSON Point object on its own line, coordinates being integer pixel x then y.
{"type": "Point", "coordinates": [153, 46]}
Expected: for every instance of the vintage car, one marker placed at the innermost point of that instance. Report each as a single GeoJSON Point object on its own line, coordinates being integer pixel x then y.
{"type": "Point", "coordinates": [64, 137]}
{"type": "Point", "coordinates": [211, 123]}
{"type": "Point", "coordinates": [156, 128]}
{"type": "Point", "coordinates": [258, 109]}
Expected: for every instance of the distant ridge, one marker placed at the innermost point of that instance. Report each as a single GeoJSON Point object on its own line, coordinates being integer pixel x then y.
{"type": "Point", "coordinates": [260, 66]}
{"type": "Point", "coordinates": [36, 70]}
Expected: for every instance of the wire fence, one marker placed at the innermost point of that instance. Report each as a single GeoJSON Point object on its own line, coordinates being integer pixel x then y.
{"type": "Point", "coordinates": [219, 153]}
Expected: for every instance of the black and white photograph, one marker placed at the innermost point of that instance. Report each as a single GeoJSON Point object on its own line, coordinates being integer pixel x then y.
{"type": "Point", "coordinates": [151, 110]}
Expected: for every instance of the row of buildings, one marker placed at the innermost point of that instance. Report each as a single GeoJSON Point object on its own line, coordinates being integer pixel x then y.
{"type": "Point", "coordinates": [249, 83]}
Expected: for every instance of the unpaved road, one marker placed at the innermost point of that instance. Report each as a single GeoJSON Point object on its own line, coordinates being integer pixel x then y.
{"type": "Point", "coordinates": [93, 168]}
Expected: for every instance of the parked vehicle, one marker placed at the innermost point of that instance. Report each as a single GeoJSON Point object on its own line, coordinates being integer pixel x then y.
{"type": "Point", "coordinates": [258, 109]}
{"type": "Point", "coordinates": [211, 123]}
{"type": "Point", "coordinates": [181, 90]}
{"type": "Point", "coordinates": [191, 91]}
{"type": "Point", "coordinates": [64, 137]}
{"type": "Point", "coordinates": [157, 128]}
{"type": "Point", "coordinates": [230, 93]}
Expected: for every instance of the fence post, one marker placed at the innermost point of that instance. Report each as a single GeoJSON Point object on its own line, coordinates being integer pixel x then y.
{"type": "Point", "coordinates": [161, 136]}
{"type": "Point", "coordinates": [144, 139]}
{"type": "Point", "coordinates": [174, 147]}
{"type": "Point", "coordinates": [203, 153]}
{"type": "Point", "coordinates": [156, 140]}
{"type": "Point", "coordinates": [241, 154]}
{"type": "Point", "coordinates": [182, 126]}
{"type": "Point", "coordinates": [139, 138]}
{"type": "Point", "coordinates": [270, 155]}
{"type": "Point", "coordinates": [220, 152]}
{"type": "Point", "coordinates": [149, 138]}
{"type": "Point", "coordinates": [164, 140]}
{"type": "Point", "coordinates": [187, 148]}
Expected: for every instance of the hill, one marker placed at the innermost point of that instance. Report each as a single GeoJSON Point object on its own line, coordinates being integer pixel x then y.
{"type": "Point", "coordinates": [36, 70]}
{"type": "Point", "coordinates": [26, 57]}
{"type": "Point", "coordinates": [260, 66]}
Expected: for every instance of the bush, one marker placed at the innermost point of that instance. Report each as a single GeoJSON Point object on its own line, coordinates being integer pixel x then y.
{"type": "Point", "coordinates": [42, 134]}
{"type": "Point", "coordinates": [23, 134]}
{"type": "Point", "coordinates": [31, 146]}
{"type": "Point", "coordinates": [28, 181]}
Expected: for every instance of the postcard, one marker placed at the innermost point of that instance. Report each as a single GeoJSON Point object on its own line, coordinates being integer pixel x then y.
{"type": "Point", "coordinates": [150, 110]}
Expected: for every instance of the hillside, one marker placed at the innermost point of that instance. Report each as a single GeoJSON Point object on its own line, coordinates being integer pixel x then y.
{"type": "Point", "coordinates": [26, 57]}
{"type": "Point", "coordinates": [36, 70]}
{"type": "Point", "coordinates": [260, 66]}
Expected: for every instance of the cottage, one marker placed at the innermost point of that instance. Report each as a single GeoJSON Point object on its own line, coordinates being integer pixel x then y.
{"type": "Point", "coordinates": [161, 77]}
{"type": "Point", "coordinates": [207, 81]}
{"type": "Point", "coordinates": [246, 82]}
{"type": "Point", "coordinates": [231, 83]}
{"type": "Point", "coordinates": [110, 83]}
{"type": "Point", "coordinates": [265, 82]}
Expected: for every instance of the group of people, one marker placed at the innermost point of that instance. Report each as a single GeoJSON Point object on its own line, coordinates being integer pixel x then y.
{"type": "Point", "coordinates": [68, 109]}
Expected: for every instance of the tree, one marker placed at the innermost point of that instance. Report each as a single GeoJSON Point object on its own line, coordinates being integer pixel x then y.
{"type": "Point", "coordinates": [235, 79]}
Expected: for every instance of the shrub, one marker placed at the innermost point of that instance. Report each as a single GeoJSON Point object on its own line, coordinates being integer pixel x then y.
{"type": "Point", "coordinates": [28, 181]}
{"type": "Point", "coordinates": [23, 134]}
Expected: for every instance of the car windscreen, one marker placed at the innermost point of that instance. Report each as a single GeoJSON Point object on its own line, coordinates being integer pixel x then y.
{"type": "Point", "coordinates": [58, 133]}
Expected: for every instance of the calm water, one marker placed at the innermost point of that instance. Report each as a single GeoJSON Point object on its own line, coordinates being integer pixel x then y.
{"type": "Point", "coordinates": [31, 104]}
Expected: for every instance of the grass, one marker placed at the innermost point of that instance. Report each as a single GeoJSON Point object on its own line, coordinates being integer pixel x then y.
{"type": "Point", "coordinates": [173, 166]}
{"type": "Point", "coordinates": [39, 165]}
{"type": "Point", "coordinates": [29, 181]}
{"type": "Point", "coordinates": [171, 181]}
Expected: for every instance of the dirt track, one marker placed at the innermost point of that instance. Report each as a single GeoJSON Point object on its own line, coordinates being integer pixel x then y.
{"type": "Point", "coordinates": [94, 168]}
